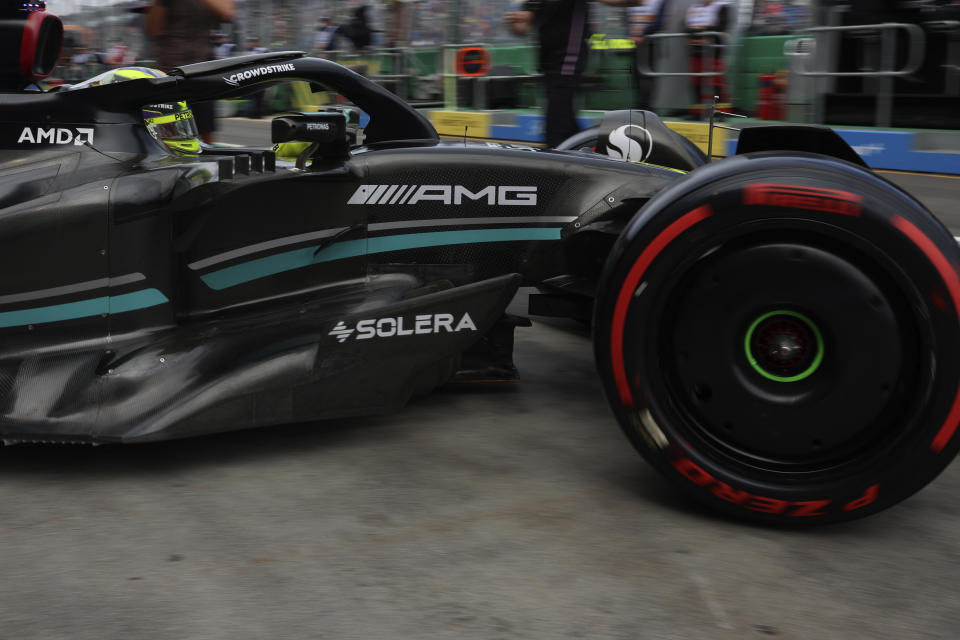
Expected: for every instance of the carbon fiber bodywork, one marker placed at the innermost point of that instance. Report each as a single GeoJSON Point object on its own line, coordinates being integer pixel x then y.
{"type": "Point", "coordinates": [147, 296]}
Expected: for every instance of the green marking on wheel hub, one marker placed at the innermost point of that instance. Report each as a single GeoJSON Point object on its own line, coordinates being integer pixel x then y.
{"type": "Point", "coordinates": [809, 371]}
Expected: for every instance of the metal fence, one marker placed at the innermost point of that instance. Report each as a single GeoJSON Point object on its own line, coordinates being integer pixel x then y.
{"type": "Point", "coordinates": [878, 52]}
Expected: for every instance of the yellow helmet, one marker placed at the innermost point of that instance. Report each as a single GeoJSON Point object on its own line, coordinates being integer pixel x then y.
{"type": "Point", "coordinates": [171, 123]}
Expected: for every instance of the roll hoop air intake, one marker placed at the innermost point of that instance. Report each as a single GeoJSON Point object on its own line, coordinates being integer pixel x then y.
{"type": "Point", "coordinates": [30, 43]}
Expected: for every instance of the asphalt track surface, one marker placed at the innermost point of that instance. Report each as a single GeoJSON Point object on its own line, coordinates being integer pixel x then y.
{"type": "Point", "coordinates": [481, 511]}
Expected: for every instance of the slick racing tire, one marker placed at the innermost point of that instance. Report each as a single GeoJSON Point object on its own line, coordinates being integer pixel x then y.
{"type": "Point", "coordinates": [778, 335]}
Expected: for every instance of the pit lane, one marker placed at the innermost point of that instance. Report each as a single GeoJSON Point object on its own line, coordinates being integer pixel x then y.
{"type": "Point", "coordinates": [488, 511]}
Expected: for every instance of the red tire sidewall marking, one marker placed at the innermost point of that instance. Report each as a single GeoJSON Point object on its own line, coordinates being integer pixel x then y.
{"type": "Point", "coordinates": [630, 284]}
{"type": "Point", "coordinates": [806, 198]}
{"type": "Point", "coordinates": [949, 276]}
{"type": "Point", "coordinates": [735, 497]}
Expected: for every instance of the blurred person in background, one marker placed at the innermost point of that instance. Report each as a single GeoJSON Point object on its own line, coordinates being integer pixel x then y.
{"type": "Point", "coordinates": [84, 63]}
{"type": "Point", "coordinates": [399, 32]}
{"type": "Point", "coordinates": [120, 55]}
{"type": "Point", "coordinates": [645, 19]}
{"type": "Point", "coordinates": [562, 33]}
{"type": "Point", "coordinates": [181, 33]}
{"type": "Point", "coordinates": [80, 56]}
{"type": "Point", "coordinates": [326, 37]}
{"type": "Point", "coordinates": [706, 52]}
{"type": "Point", "coordinates": [768, 18]}
{"type": "Point", "coordinates": [257, 98]}
{"type": "Point", "coordinates": [222, 47]}
{"type": "Point", "coordinates": [796, 15]}
{"type": "Point", "coordinates": [254, 46]}
{"type": "Point", "coordinates": [358, 30]}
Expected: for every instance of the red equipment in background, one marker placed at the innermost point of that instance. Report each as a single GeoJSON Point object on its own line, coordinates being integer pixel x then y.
{"type": "Point", "coordinates": [473, 61]}
{"type": "Point", "coordinates": [771, 96]}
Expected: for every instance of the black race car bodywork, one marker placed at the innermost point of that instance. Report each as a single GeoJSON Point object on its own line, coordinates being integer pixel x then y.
{"type": "Point", "coordinates": [769, 329]}
{"type": "Point", "coordinates": [160, 296]}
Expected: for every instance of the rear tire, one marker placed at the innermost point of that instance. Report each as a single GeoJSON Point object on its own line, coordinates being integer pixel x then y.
{"type": "Point", "coordinates": [778, 336]}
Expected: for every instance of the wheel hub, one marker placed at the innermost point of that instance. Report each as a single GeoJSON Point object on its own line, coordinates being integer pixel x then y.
{"type": "Point", "coordinates": [784, 346]}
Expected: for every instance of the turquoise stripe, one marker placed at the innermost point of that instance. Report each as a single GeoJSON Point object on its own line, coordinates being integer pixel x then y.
{"type": "Point", "coordinates": [83, 308]}
{"type": "Point", "coordinates": [136, 300]}
{"type": "Point", "coordinates": [383, 244]}
{"type": "Point", "coordinates": [298, 258]}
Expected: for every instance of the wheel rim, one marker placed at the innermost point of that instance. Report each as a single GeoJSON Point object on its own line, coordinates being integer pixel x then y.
{"type": "Point", "coordinates": [801, 387]}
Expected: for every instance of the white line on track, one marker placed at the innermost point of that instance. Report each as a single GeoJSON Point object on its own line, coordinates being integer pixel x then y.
{"type": "Point", "coordinates": [716, 609]}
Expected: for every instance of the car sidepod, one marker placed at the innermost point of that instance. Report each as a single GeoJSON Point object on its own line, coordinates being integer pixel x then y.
{"type": "Point", "coordinates": [362, 347]}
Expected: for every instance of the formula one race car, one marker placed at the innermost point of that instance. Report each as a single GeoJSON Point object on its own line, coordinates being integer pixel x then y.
{"type": "Point", "coordinates": [776, 332]}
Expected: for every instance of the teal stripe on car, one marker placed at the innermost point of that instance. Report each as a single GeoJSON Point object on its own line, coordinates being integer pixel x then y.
{"type": "Point", "coordinates": [299, 258]}
{"type": "Point", "coordinates": [83, 308]}
{"type": "Point", "coordinates": [136, 300]}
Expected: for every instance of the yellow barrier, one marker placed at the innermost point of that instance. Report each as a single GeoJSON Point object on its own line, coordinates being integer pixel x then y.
{"type": "Point", "coordinates": [459, 123]}
{"type": "Point", "coordinates": [697, 133]}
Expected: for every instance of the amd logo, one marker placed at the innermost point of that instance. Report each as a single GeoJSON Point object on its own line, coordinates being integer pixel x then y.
{"type": "Point", "coordinates": [444, 193]}
{"type": "Point", "coordinates": [56, 135]}
{"type": "Point", "coordinates": [400, 326]}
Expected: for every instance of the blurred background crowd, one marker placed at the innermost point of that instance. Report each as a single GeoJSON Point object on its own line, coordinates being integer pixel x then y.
{"type": "Point", "coordinates": [803, 60]}
{"type": "Point", "coordinates": [110, 28]}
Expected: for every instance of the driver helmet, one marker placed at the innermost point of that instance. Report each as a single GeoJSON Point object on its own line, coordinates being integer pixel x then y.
{"type": "Point", "coordinates": [171, 123]}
